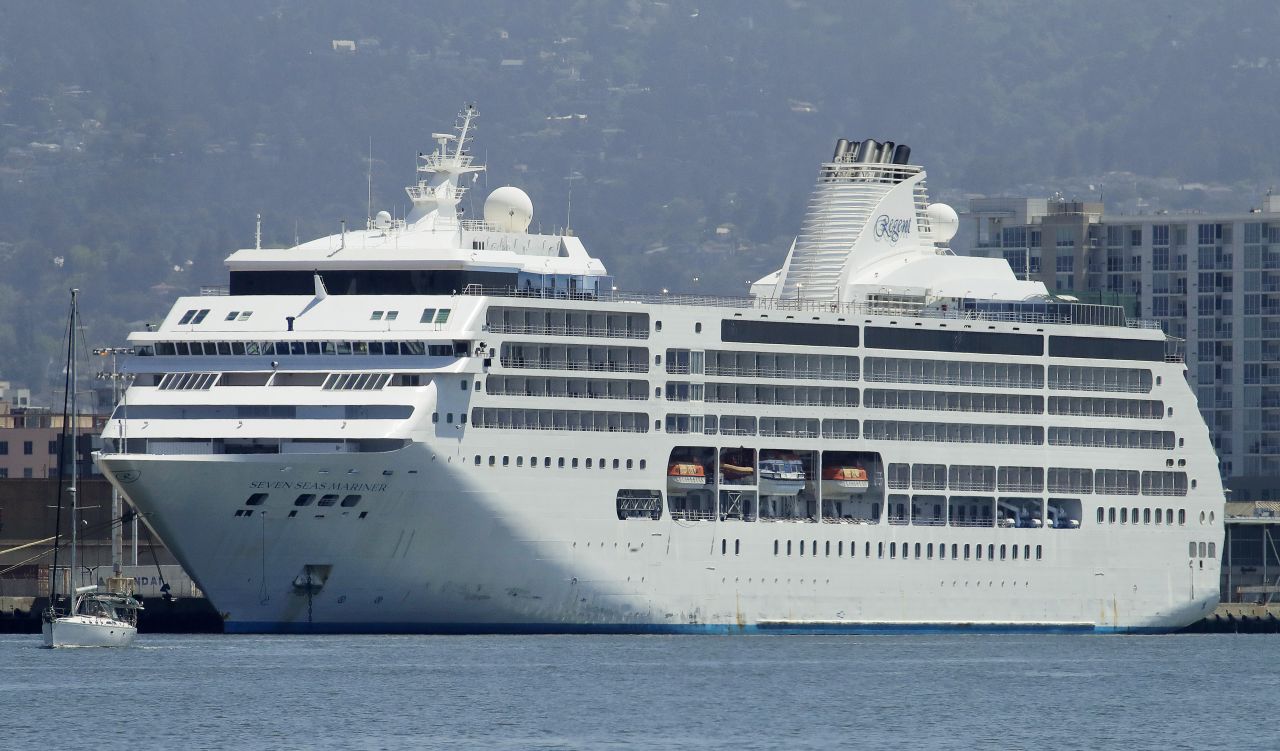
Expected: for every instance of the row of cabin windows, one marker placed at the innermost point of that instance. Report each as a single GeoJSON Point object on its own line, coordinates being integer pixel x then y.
{"type": "Point", "coordinates": [562, 462]}
{"type": "Point", "coordinates": [1137, 515]}
{"type": "Point", "coordinates": [575, 388]}
{"type": "Point", "coordinates": [927, 551]}
{"type": "Point", "coordinates": [560, 419]}
{"type": "Point", "coordinates": [448, 418]}
{"type": "Point", "coordinates": [1032, 479]}
{"type": "Point", "coordinates": [296, 348]}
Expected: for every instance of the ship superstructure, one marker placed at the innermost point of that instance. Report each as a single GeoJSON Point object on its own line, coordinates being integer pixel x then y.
{"type": "Point", "coordinates": [440, 425]}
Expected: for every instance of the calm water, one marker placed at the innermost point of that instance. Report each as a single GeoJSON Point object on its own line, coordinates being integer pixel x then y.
{"type": "Point", "coordinates": [587, 692]}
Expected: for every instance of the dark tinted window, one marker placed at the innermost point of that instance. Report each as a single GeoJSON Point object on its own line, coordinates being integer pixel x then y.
{"type": "Point", "coordinates": [1106, 349]}
{"type": "Point", "coordinates": [976, 342]}
{"type": "Point", "coordinates": [365, 282]}
{"type": "Point", "coordinates": [776, 332]}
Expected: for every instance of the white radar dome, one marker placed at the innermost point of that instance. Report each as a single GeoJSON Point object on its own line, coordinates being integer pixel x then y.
{"type": "Point", "coordinates": [509, 209]}
{"type": "Point", "coordinates": [943, 221]}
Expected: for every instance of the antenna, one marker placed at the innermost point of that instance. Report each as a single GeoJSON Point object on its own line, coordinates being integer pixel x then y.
{"type": "Point", "coordinates": [368, 213]}
{"type": "Point", "coordinates": [257, 234]}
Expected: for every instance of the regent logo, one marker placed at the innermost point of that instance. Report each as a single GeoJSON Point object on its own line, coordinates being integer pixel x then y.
{"type": "Point", "coordinates": [128, 476]}
{"type": "Point", "coordinates": [892, 229]}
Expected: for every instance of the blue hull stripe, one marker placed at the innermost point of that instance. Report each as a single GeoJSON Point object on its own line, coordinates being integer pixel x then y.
{"type": "Point", "coordinates": [273, 627]}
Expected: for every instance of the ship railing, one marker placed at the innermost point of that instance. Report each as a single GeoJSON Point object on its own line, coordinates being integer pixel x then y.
{"type": "Point", "coordinates": [971, 523]}
{"type": "Point", "coordinates": [814, 375]}
{"type": "Point", "coordinates": [872, 377]}
{"type": "Point", "coordinates": [507, 328]}
{"type": "Point", "coordinates": [573, 395]}
{"type": "Point", "coordinates": [214, 290]}
{"type": "Point", "coordinates": [606, 367]}
{"type": "Point", "coordinates": [1081, 314]}
{"type": "Point", "coordinates": [693, 516]}
{"type": "Point", "coordinates": [928, 522]}
{"type": "Point", "coordinates": [864, 520]}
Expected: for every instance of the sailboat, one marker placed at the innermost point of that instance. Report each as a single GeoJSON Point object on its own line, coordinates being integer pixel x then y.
{"type": "Point", "coordinates": [94, 618]}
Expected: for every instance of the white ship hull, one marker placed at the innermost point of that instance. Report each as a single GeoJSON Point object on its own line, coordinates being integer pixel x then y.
{"type": "Point", "coordinates": [452, 549]}
{"type": "Point", "coordinates": [438, 424]}
{"type": "Point", "coordinates": [87, 631]}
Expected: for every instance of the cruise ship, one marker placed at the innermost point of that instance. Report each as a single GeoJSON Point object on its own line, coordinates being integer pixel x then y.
{"type": "Point", "coordinates": [437, 424]}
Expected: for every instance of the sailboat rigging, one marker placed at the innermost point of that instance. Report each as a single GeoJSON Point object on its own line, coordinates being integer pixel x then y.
{"type": "Point", "coordinates": [92, 618]}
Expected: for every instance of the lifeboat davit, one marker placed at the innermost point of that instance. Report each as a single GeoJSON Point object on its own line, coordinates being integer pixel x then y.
{"type": "Point", "coordinates": [686, 473]}
{"type": "Point", "coordinates": [840, 481]}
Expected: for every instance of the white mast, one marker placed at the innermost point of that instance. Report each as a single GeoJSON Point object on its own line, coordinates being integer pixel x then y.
{"type": "Point", "coordinates": [75, 321]}
{"type": "Point", "coordinates": [436, 196]}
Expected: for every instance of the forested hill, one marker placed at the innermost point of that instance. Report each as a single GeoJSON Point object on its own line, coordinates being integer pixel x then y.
{"type": "Point", "coordinates": [139, 139]}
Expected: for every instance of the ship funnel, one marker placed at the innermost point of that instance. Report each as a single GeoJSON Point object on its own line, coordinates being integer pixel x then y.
{"type": "Point", "coordinates": [886, 153]}
{"type": "Point", "coordinates": [867, 152]}
{"type": "Point", "coordinates": [842, 145]}
{"type": "Point", "coordinates": [902, 154]}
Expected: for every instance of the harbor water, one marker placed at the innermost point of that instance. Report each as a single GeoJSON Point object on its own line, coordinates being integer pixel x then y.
{"type": "Point", "coordinates": [663, 692]}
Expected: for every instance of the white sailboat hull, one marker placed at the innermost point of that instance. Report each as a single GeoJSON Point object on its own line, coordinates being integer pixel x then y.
{"type": "Point", "coordinates": [87, 631]}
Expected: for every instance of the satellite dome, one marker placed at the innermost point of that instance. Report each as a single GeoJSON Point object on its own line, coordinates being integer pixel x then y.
{"type": "Point", "coordinates": [382, 220]}
{"type": "Point", "coordinates": [509, 209]}
{"type": "Point", "coordinates": [943, 221]}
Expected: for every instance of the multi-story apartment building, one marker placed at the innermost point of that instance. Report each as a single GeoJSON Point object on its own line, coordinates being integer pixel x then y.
{"type": "Point", "coordinates": [1211, 279]}
{"type": "Point", "coordinates": [29, 439]}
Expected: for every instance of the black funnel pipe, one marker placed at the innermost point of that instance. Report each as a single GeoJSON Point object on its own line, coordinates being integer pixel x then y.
{"type": "Point", "coordinates": [902, 154]}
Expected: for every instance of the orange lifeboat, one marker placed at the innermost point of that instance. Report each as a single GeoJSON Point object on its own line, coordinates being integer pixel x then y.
{"type": "Point", "coordinates": [843, 480]}
{"type": "Point", "coordinates": [686, 473]}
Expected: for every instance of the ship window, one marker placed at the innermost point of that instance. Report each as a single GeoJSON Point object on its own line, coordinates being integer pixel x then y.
{"type": "Point", "coordinates": [492, 460]}
{"type": "Point", "coordinates": [737, 547]}
{"type": "Point", "coordinates": [343, 348]}
{"type": "Point", "coordinates": [615, 463]}
{"type": "Point", "coordinates": [428, 315]}
{"type": "Point", "coordinates": [1026, 552]}
{"type": "Point", "coordinates": [588, 462]}
{"type": "Point", "coordinates": [1124, 515]}
{"type": "Point", "coordinates": [305, 499]}
{"type": "Point", "coordinates": [991, 552]}
{"type": "Point", "coordinates": [200, 316]}
{"type": "Point", "coordinates": [1146, 516]}
{"type": "Point", "coordinates": [519, 459]}
{"type": "Point", "coordinates": [435, 417]}
{"type": "Point", "coordinates": [697, 328]}
{"type": "Point", "coordinates": [657, 325]}
{"type": "Point", "coordinates": [1111, 515]}
{"type": "Point", "coordinates": [977, 552]}
{"type": "Point", "coordinates": [643, 462]}
{"type": "Point", "coordinates": [186, 317]}
{"type": "Point", "coordinates": [328, 499]}
{"type": "Point", "coordinates": [724, 545]}
{"type": "Point", "coordinates": [1101, 515]}
{"type": "Point", "coordinates": [629, 464]}
{"type": "Point", "coordinates": [802, 547]}
{"type": "Point", "coordinates": [1039, 552]}
{"type": "Point", "coordinates": [376, 316]}
{"type": "Point", "coordinates": [904, 550]}
{"type": "Point", "coordinates": [477, 460]}
{"type": "Point", "coordinates": [966, 551]}
{"type": "Point", "coordinates": [442, 315]}
{"type": "Point", "coordinates": [392, 315]}
{"type": "Point", "coordinates": [244, 314]}
{"type": "Point", "coordinates": [1191, 550]}
{"type": "Point", "coordinates": [828, 548]}
{"type": "Point", "coordinates": [506, 461]}
{"type": "Point", "coordinates": [775, 547]}
{"type": "Point", "coordinates": [232, 315]}
{"type": "Point", "coordinates": [1213, 553]}
{"type": "Point", "coordinates": [1204, 551]}
{"type": "Point", "coordinates": [574, 463]}
{"type": "Point", "coordinates": [257, 499]}
{"type": "Point", "coordinates": [839, 548]}
{"type": "Point", "coordinates": [788, 547]}
{"type": "Point", "coordinates": [1159, 516]}
{"type": "Point", "coordinates": [448, 417]}
{"type": "Point", "coordinates": [928, 552]}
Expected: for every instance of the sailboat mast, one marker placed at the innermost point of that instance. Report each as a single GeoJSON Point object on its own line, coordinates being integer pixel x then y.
{"type": "Point", "coordinates": [71, 489]}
